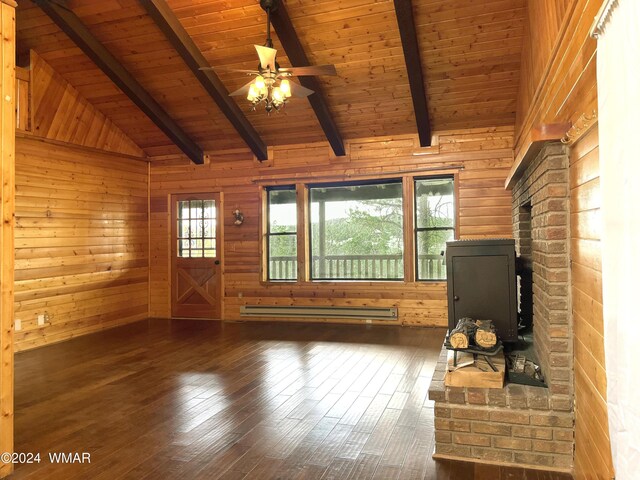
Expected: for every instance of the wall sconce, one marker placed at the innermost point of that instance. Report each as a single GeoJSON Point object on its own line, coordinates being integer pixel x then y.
{"type": "Point", "coordinates": [239, 217]}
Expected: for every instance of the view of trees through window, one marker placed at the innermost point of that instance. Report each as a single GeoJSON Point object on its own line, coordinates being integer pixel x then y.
{"type": "Point", "coordinates": [435, 225]}
{"type": "Point", "coordinates": [282, 234]}
{"type": "Point", "coordinates": [356, 230]}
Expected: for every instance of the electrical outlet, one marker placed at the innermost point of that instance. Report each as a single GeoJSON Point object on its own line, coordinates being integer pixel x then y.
{"type": "Point", "coordinates": [18, 324]}
{"type": "Point", "coordinates": [40, 320]}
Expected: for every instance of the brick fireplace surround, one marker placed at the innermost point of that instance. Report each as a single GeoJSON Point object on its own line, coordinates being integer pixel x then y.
{"type": "Point", "coordinates": [527, 426]}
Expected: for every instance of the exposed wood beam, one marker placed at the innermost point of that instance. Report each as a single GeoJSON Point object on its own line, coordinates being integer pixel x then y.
{"type": "Point", "coordinates": [190, 53]}
{"type": "Point", "coordinates": [293, 48]}
{"type": "Point", "coordinates": [70, 24]}
{"type": "Point", "coordinates": [409, 38]}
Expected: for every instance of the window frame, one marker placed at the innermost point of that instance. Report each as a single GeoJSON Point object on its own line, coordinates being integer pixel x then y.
{"type": "Point", "coordinates": [353, 183]}
{"type": "Point", "coordinates": [417, 230]}
{"type": "Point", "coordinates": [303, 226]}
{"type": "Point", "coordinates": [268, 233]}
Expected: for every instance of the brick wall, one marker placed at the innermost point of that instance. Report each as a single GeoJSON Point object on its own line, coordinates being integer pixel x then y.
{"type": "Point", "coordinates": [522, 425]}
{"type": "Point", "coordinates": [515, 425]}
{"type": "Point", "coordinates": [543, 237]}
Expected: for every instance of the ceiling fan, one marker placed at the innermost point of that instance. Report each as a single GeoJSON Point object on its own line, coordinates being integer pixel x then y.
{"type": "Point", "coordinates": [271, 84]}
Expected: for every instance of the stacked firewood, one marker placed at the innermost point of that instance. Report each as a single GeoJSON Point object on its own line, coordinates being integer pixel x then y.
{"type": "Point", "coordinates": [474, 333]}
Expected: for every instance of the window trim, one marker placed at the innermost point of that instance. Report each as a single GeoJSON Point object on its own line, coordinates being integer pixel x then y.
{"type": "Point", "coordinates": [417, 230]}
{"type": "Point", "coordinates": [268, 233]}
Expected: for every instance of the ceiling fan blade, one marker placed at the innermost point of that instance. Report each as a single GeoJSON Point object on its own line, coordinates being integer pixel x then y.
{"type": "Point", "coordinates": [310, 70]}
{"type": "Point", "coordinates": [299, 91]}
{"type": "Point", "coordinates": [242, 90]}
{"type": "Point", "coordinates": [267, 57]}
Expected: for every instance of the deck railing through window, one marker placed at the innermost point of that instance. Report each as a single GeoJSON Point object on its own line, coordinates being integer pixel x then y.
{"type": "Point", "coordinates": [378, 267]}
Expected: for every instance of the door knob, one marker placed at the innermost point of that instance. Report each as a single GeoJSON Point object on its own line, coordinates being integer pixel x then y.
{"type": "Point", "coordinates": [217, 262]}
{"type": "Point", "coordinates": [456, 298]}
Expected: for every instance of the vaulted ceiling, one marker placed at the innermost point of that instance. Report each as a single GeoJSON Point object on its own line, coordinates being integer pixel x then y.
{"type": "Point", "coordinates": [470, 55]}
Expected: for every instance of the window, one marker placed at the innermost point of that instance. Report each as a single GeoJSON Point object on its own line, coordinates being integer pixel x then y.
{"type": "Point", "coordinates": [435, 224]}
{"type": "Point", "coordinates": [356, 231]}
{"type": "Point", "coordinates": [282, 232]}
{"type": "Point", "coordinates": [196, 228]}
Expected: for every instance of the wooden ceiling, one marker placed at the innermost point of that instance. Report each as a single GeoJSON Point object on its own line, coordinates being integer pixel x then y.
{"type": "Point", "coordinates": [470, 55]}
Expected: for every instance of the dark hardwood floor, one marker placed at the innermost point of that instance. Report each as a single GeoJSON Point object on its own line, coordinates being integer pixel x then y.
{"type": "Point", "coordinates": [205, 400]}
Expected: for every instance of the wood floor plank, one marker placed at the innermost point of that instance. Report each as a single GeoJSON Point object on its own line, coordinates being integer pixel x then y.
{"type": "Point", "coordinates": [204, 400]}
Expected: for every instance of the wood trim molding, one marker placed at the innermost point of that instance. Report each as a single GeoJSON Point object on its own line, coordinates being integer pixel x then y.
{"type": "Point", "coordinates": [408, 195]}
{"type": "Point", "coordinates": [304, 256]}
{"type": "Point", "coordinates": [89, 150]}
{"type": "Point", "coordinates": [7, 228]}
{"type": "Point", "coordinates": [582, 126]}
{"type": "Point", "coordinates": [602, 18]}
{"type": "Point", "coordinates": [435, 170]}
{"type": "Point", "coordinates": [531, 147]}
{"type": "Point", "coordinates": [10, 3]}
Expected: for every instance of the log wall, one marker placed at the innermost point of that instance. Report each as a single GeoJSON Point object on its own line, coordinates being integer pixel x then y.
{"type": "Point", "coordinates": [81, 245]}
{"type": "Point", "coordinates": [81, 237]}
{"type": "Point", "coordinates": [484, 211]}
{"type": "Point", "coordinates": [558, 72]}
{"type": "Point", "coordinates": [593, 453]}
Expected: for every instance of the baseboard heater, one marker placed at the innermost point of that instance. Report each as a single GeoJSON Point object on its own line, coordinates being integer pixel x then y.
{"type": "Point", "coordinates": [291, 311]}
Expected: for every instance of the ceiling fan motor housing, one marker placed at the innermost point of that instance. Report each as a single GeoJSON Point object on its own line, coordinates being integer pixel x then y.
{"type": "Point", "coordinates": [267, 5]}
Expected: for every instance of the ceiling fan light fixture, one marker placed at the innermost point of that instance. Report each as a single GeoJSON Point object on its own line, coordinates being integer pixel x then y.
{"type": "Point", "coordinates": [285, 87]}
{"type": "Point", "coordinates": [260, 84]}
{"type": "Point", "coordinates": [277, 95]}
{"type": "Point", "coordinates": [253, 93]}
{"type": "Point", "coordinates": [271, 86]}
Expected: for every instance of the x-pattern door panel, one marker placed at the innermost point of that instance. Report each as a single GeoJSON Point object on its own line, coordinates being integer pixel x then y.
{"type": "Point", "coordinates": [195, 256]}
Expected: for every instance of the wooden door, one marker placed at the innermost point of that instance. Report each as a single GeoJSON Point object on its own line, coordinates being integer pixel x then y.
{"type": "Point", "coordinates": [196, 283]}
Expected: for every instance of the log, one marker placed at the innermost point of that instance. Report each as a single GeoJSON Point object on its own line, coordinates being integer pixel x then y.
{"type": "Point", "coordinates": [462, 335]}
{"type": "Point", "coordinates": [485, 334]}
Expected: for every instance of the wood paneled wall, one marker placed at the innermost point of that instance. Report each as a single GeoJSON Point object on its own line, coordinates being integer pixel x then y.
{"type": "Point", "coordinates": [7, 206]}
{"type": "Point", "coordinates": [81, 238]}
{"type": "Point", "coordinates": [593, 453]}
{"type": "Point", "coordinates": [55, 110]}
{"type": "Point", "coordinates": [484, 208]}
{"type": "Point", "coordinates": [81, 241]}
{"type": "Point", "coordinates": [558, 72]}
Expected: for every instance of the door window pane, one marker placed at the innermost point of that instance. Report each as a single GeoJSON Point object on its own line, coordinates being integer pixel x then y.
{"type": "Point", "coordinates": [196, 228]}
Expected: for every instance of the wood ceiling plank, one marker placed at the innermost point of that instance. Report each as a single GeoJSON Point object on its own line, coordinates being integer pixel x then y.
{"type": "Point", "coordinates": [469, 53]}
{"type": "Point", "coordinates": [73, 27]}
{"type": "Point", "coordinates": [184, 45]}
{"type": "Point", "coordinates": [292, 46]}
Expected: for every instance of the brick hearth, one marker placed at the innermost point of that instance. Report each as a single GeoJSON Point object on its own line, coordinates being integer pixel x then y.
{"type": "Point", "coordinates": [528, 426]}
